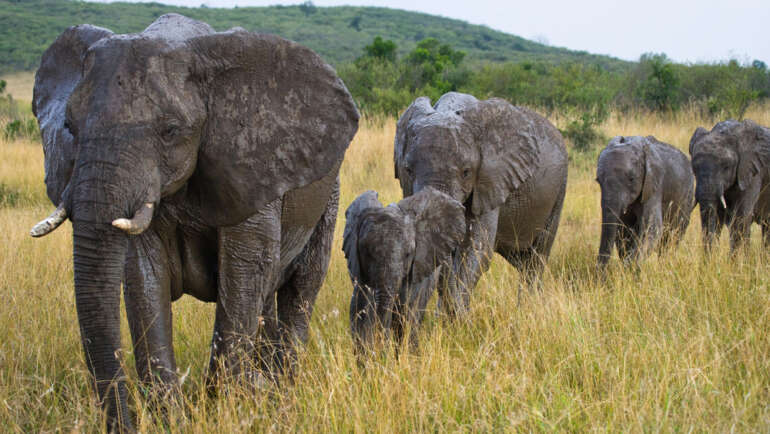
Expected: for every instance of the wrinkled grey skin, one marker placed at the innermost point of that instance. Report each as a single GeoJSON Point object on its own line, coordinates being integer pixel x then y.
{"type": "Point", "coordinates": [233, 141]}
{"type": "Point", "coordinates": [394, 254]}
{"type": "Point", "coordinates": [732, 168]}
{"type": "Point", "coordinates": [647, 196]}
{"type": "Point", "coordinates": [505, 164]}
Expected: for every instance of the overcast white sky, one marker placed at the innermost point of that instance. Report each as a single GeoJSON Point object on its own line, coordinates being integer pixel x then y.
{"type": "Point", "coordinates": [687, 30]}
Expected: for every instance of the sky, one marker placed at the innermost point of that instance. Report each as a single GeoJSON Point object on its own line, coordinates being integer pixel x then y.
{"type": "Point", "coordinates": [687, 31]}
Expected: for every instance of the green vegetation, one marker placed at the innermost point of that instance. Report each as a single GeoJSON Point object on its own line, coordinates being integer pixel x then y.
{"type": "Point", "coordinates": [382, 83]}
{"type": "Point", "coordinates": [387, 58]}
{"type": "Point", "coordinates": [338, 34]}
{"type": "Point", "coordinates": [15, 121]}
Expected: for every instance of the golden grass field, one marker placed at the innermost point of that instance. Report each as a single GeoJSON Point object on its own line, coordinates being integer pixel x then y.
{"type": "Point", "coordinates": [679, 344]}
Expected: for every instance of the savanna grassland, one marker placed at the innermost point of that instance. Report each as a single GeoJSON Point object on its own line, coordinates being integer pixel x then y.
{"type": "Point", "coordinates": [679, 344]}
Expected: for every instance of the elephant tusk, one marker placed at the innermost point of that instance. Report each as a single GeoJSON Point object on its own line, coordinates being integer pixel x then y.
{"type": "Point", "coordinates": [724, 204]}
{"type": "Point", "coordinates": [50, 223]}
{"type": "Point", "coordinates": [137, 224]}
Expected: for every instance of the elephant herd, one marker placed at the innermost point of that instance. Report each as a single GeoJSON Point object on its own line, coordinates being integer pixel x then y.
{"type": "Point", "coordinates": [197, 162]}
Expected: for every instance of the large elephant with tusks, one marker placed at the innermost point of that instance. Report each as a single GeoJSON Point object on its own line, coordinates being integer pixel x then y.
{"type": "Point", "coordinates": [191, 162]}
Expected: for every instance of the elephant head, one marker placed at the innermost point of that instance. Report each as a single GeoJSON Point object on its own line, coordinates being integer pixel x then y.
{"type": "Point", "coordinates": [727, 161]}
{"type": "Point", "coordinates": [394, 253]}
{"type": "Point", "coordinates": [476, 152]}
{"type": "Point", "coordinates": [629, 171]}
{"type": "Point", "coordinates": [222, 122]}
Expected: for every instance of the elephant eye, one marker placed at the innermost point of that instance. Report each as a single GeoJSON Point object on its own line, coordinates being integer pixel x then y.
{"type": "Point", "coordinates": [408, 171]}
{"type": "Point", "coordinates": [466, 173]}
{"type": "Point", "coordinates": [169, 132]}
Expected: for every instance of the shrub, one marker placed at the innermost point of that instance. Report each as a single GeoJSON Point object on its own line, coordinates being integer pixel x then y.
{"type": "Point", "coordinates": [21, 128]}
{"type": "Point", "coordinates": [582, 132]}
{"type": "Point", "coordinates": [659, 90]}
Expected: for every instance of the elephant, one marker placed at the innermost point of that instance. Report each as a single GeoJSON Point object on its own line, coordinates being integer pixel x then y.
{"type": "Point", "coordinates": [731, 165]}
{"type": "Point", "coordinates": [393, 255]}
{"type": "Point", "coordinates": [647, 196]}
{"type": "Point", "coordinates": [507, 165]}
{"type": "Point", "coordinates": [191, 162]}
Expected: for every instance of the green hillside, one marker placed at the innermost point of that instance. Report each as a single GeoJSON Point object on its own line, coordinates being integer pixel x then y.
{"type": "Point", "coordinates": [337, 33]}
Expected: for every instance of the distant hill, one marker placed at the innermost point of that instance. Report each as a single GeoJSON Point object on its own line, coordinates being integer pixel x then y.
{"type": "Point", "coordinates": [338, 34]}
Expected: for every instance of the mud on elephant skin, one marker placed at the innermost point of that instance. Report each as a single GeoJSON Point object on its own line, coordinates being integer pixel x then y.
{"type": "Point", "coordinates": [197, 162]}
{"type": "Point", "coordinates": [732, 168]}
{"type": "Point", "coordinates": [394, 254]}
{"type": "Point", "coordinates": [507, 165]}
{"type": "Point", "coordinates": [647, 196]}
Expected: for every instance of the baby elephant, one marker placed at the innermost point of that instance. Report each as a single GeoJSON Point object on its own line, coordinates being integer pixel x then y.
{"type": "Point", "coordinates": [647, 196]}
{"type": "Point", "coordinates": [394, 256]}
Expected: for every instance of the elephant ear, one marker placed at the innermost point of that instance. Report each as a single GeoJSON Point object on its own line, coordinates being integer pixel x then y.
{"type": "Point", "coordinates": [419, 108]}
{"type": "Point", "coordinates": [353, 217]}
{"type": "Point", "coordinates": [753, 152]}
{"type": "Point", "coordinates": [697, 135]}
{"type": "Point", "coordinates": [279, 118]}
{"type": "Point", "coordinates": [653, 170]}
{"type": "Point", "coordinates": [440, 228]}
{"type": "Point", "coordinates": [508, 138]}
{"type": "Point", "coordinates": [59, 72]}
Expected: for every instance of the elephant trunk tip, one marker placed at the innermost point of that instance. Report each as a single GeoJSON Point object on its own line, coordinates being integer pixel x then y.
{"type": "Point", "coordinates": [50, 223]}
{"type": "Point", "coordinates": [138, 223]}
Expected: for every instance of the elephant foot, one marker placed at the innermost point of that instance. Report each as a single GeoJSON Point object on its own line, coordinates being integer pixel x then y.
{"type": "Point", "coordinates": [164, 402]}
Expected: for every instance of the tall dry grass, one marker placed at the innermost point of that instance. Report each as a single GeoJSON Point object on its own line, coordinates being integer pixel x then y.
{"type": "Point", "coordinates": [19, 85]}
{"type": "Point", "coordinates": [677, 344]}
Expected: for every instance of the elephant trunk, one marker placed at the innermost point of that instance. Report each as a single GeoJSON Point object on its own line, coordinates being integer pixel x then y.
{"type": "Point", "coordinates": [710, 223]}
{"type": "Point", "coordinates": [371, 313]}
{"type": "Point", "coordinates": [711, 201]}
{"type": "Point", "coordinates": [102, 191]}
{"type": "Point", "coordinates": [99, 252]}
{"type": "Point", "coordinates": [610, 222]}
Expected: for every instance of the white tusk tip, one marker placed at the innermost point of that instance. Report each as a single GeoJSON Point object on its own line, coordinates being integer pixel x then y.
{"type": "Point", "coordinates": [38, 230]}
{"type": "Point", "coordinates": [124, 224]}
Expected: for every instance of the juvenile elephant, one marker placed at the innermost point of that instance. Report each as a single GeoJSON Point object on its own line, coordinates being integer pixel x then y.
{"type": "Point", "coordinates": [732, 168]}
{"type": "Point", "coordinates": [505, 164]}
{"type": "Point", "coordinates": [647, 195]}
{"type": "Point", "coordinates": [393, 255]}
{"type": "Point", "coordinates": [191, 162]}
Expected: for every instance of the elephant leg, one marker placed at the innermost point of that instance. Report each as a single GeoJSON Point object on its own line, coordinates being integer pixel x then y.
{"type": "Point", "coordinates": [529, 263]}
{"type": "Point", "coordinates": [468, 264]}
{"type": "Point", "coordinates": [249, 255]}
{"type": "Point", "coordinates": [534, 262]}
{"type": "Point", "coordinates": [651, 227]}
{"type": "Point", "coordinates": [743, 216]}
{"type": "Point", "coordinates": [740, 231]}
{"type": "Point", "coordinates": [147, 294]}
{"type": "Point", "coordinates": [765, 224]}
{"type": "Point", "coordinates": [287, 315]}
{"type": "Point", "coordinates": [410, 307]}
{"type": "Point", "coordinates": [625, 242]}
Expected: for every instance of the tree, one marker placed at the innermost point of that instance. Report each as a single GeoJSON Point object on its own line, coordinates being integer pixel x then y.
{"type": "Point", "coordinates": [307, 8]}
{"type": "Point", "coordinates": [661, 85]}
{"type": "Point", "coordinates": [429, 65]}
{"type": "Point", "coordinates": [381, 49]}
{"type": "Point", "coordinates": [356, 23]}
